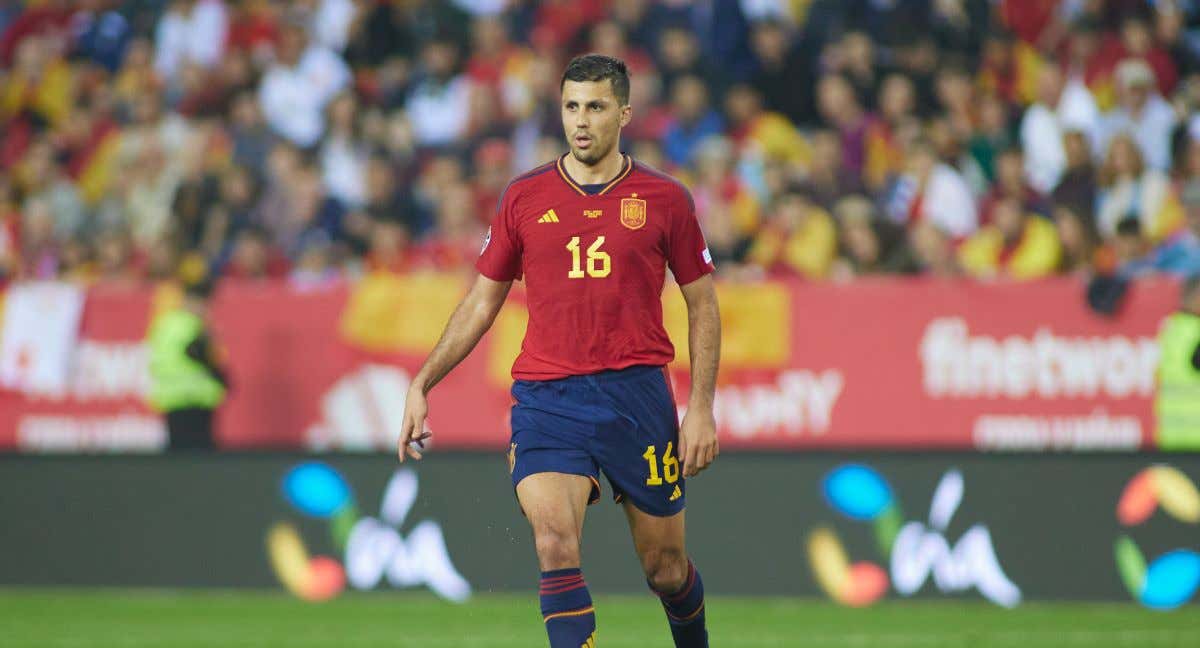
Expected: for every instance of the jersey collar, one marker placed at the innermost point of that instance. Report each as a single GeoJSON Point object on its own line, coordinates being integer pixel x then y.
{"type": "Point", "coordinates": [624, 173]}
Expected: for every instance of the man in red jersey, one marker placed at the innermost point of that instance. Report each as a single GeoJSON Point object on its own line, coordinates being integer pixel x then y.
{"type": "Point", "coordinates": [593, 234]}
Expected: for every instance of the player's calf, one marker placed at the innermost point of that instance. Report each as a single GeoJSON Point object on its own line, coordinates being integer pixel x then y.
{"type": "Point", "coordinates": [683, 602]}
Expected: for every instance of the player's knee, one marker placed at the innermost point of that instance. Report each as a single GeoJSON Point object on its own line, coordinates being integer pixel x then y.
{"type": "Point", "coordinates": [557, 549]}
{"type": "Point", "coordinates": [665, 568]}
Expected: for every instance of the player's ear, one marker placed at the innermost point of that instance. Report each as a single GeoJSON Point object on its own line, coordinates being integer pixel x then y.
{"type": "Point", "coordinates": [626, 115]}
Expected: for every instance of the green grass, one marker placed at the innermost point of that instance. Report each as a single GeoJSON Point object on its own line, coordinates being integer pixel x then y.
{"type": "Point", "coordinates": [48, 618]}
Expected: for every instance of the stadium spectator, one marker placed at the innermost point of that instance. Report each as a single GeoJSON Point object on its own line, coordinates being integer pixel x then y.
{"type": "Point", "coordinates": [100, 33]}
{"type": "Point", "coordinates": [251, 257]}
{"type": "Point", "coordinates": [955, 93]}
{"type": "Point", "coordinates": [719, 189]}
{"type": "Point", "coordinates": [679, 55]}
{"type": "Point", "coordinates": [1142, 113]}
{"type": "Point", "coordinates": [254, 28]}
{"type": "Point", "coordinates": [1016, 244]}
{"type": "Point", "coordinates": [608, 37]}
{"type": "Point", "coordinates": [782, 75]}
{"type": "Point", "coordinates": [1129, 189]}
{"type": "Point", "coordinates": [296, 88]}
{"type": "Point", "coordinates": [1078, 239]}
{"type": "Point", "coordinates": [48, 22]}
{"type": "Point", "coordinates": [933, 192]}
{"type": "Point", "coordinates": [458, 235]}
{"type": "Point", "coordinates": [933, 251]}
{"type": "Point", "coordinates": [190, 32]}
{"type": "Point", "coordinates": [330, 21]}
{"type": "Point", "coordinates": [439, 105]}
{"type": "Point", "coordinates": [389, 251]}
{"type": "Point", "coordinates": [313, 217]}
{"type": "Point", "coordinates": [1180, 254]}
{"type": "Point", "coordinates": [695, 119]}
{"type": "Point", "coordinates": [1171, 32]}
{"type": "Point", "coordinates": [884, 150]}
{"type": "Point", "coordinates": [314, 267]}
{"type": "Point", "coordinates": [758, 132]}
{"type": "Point", "coordinates": [41, 178]}
{"type": "Point", "coordinates": [38, 88]}
{"type": "Point", "coordinates": [991, 135]}
{"type": "Point", "coordinates": [1011, 184]}
{"type": "Point", "coordinates": [826, 179]}
{"type": "Point", "coordinates": [1076, 188]}
{"type": "Point", "coordinates": [344, 153]}
{"type": "Point", "coordinates": [493, 170]}
{"type": "Point", "coordinates": [1137, 42]}
{"type": "Point", "coordinates": [869, 245]}
{"type": "Point", "coordinates": [1060, 106]}
{"type": "Point", "coordinates": [798, 238]}
{"type": "Point", "coordinates": [841, 111]}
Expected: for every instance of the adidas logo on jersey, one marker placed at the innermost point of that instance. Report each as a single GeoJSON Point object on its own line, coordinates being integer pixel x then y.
{"type": "Point", "coordinates": [676, 494]}
{"type": "Point", "coordinates": [549, 217]}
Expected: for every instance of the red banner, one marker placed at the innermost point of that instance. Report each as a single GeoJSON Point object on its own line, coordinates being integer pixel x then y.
{"type": "Point", "coordinates": [873, 364]}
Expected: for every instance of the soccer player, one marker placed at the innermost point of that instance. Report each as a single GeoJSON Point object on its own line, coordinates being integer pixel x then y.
{"type": "Point", "coordinates": [593, 233]}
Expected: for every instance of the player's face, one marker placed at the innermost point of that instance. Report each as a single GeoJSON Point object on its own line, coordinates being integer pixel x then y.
{"type": "Point", "coordinates": [592, 119]}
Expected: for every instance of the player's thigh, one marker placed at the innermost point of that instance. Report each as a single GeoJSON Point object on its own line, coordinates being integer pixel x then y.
{"type": "Point", "coordinates": [555, 505]}
{"type": "Point", "coordinates": [638, 451]}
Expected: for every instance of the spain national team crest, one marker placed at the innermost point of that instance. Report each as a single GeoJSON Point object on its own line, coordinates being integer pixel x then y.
{"type": "Point", "coordinates": [633, 212]}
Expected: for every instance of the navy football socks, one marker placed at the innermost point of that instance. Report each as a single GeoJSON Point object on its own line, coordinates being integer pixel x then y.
{"type": "Point", "coordinates": [685, 611]}
{"type": "Point", "coordinates": [567, 609]}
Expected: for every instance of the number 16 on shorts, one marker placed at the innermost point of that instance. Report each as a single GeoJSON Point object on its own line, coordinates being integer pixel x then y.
{"type": "Point", "coordinates": [670, 466]}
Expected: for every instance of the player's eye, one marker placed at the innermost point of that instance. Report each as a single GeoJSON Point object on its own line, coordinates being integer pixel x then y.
{"type": "Point", "coordinates": [597, 107]}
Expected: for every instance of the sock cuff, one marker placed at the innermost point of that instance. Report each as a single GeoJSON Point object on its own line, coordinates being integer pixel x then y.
{"type": "Point", "coordinates": [559, 573]}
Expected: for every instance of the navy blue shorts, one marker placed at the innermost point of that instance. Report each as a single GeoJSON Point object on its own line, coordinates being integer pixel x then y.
{"type": "Point", "coordinates": [623, 422]}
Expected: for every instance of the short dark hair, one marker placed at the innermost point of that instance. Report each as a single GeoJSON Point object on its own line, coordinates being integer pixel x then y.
{"type": "Point", "coordinates": [598, 67]}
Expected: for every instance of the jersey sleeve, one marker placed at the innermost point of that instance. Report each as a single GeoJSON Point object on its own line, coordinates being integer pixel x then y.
{"type": "Point", "coordinates": [500, 258]}
{"type": "Point", "coordinates": [687, 252]}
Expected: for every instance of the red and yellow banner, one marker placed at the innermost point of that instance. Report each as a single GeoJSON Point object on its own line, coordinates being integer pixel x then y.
{"type": "Point", "coordinates": [890, 364]}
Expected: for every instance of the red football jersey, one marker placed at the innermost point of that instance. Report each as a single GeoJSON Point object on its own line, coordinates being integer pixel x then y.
{"type": "Point", "coordinates": [594, 266]}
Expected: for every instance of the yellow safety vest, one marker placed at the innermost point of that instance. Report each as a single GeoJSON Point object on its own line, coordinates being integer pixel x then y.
{"type": "Point", "coordinates": [1178, 404]}
{"type": "Point", "coordinates": [176, 380]}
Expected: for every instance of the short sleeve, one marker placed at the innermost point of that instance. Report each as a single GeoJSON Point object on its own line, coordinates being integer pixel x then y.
{"type": "Point", "coordinates": [687, 252]}
{"type": "Point", "coordinates": [500, 258]}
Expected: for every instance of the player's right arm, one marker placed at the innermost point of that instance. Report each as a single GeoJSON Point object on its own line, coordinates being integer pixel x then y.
{"type": "Point", "coordinates": [471, 319]}
{"type": "Point", "coordinates": [499, 264]}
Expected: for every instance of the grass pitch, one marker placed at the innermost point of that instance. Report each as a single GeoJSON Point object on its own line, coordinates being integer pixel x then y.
{"type": "Point", "coordinates": [46, 618]}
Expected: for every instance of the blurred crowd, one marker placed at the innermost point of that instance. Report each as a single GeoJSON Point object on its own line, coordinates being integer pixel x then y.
{"type": "Point", "coordinates": [318, 140]}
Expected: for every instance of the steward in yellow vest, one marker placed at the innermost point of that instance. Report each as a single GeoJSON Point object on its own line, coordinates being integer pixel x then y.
{"type": "Point", "coordinates": [186, 382]}
{"type": "Point", "coordinates": [1178, 404]}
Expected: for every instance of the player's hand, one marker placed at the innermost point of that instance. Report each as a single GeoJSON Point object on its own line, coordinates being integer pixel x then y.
{"type": "Point", "coordinates": [413, 431]}
{"type": "Point", "coordinates": [698, 445]}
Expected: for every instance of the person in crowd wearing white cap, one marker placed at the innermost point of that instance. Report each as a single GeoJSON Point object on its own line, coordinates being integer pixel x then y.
{"type": "Point", "coordinates": [1142, 113]}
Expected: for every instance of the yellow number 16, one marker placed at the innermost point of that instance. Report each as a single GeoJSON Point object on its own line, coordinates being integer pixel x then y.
{"type": "Point", "coordinates": [599, 264]}
{"type": "Point", "coordinates": [670, 466]}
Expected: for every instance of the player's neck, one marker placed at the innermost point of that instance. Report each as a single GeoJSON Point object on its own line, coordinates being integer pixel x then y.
{"type": "Point", "coordinates": [598, 173]}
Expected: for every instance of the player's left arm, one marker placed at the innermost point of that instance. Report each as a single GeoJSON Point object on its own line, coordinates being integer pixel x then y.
{"type": "Point", "coordinates": [698, 445]}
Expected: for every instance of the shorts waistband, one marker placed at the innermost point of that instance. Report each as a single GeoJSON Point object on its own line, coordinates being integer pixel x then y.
{"type": "Point", "coordinates": [608, 375]}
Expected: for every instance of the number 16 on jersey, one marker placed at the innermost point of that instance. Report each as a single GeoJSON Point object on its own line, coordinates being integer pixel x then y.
{"type": "Point", "coordinates": [599, 264]}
